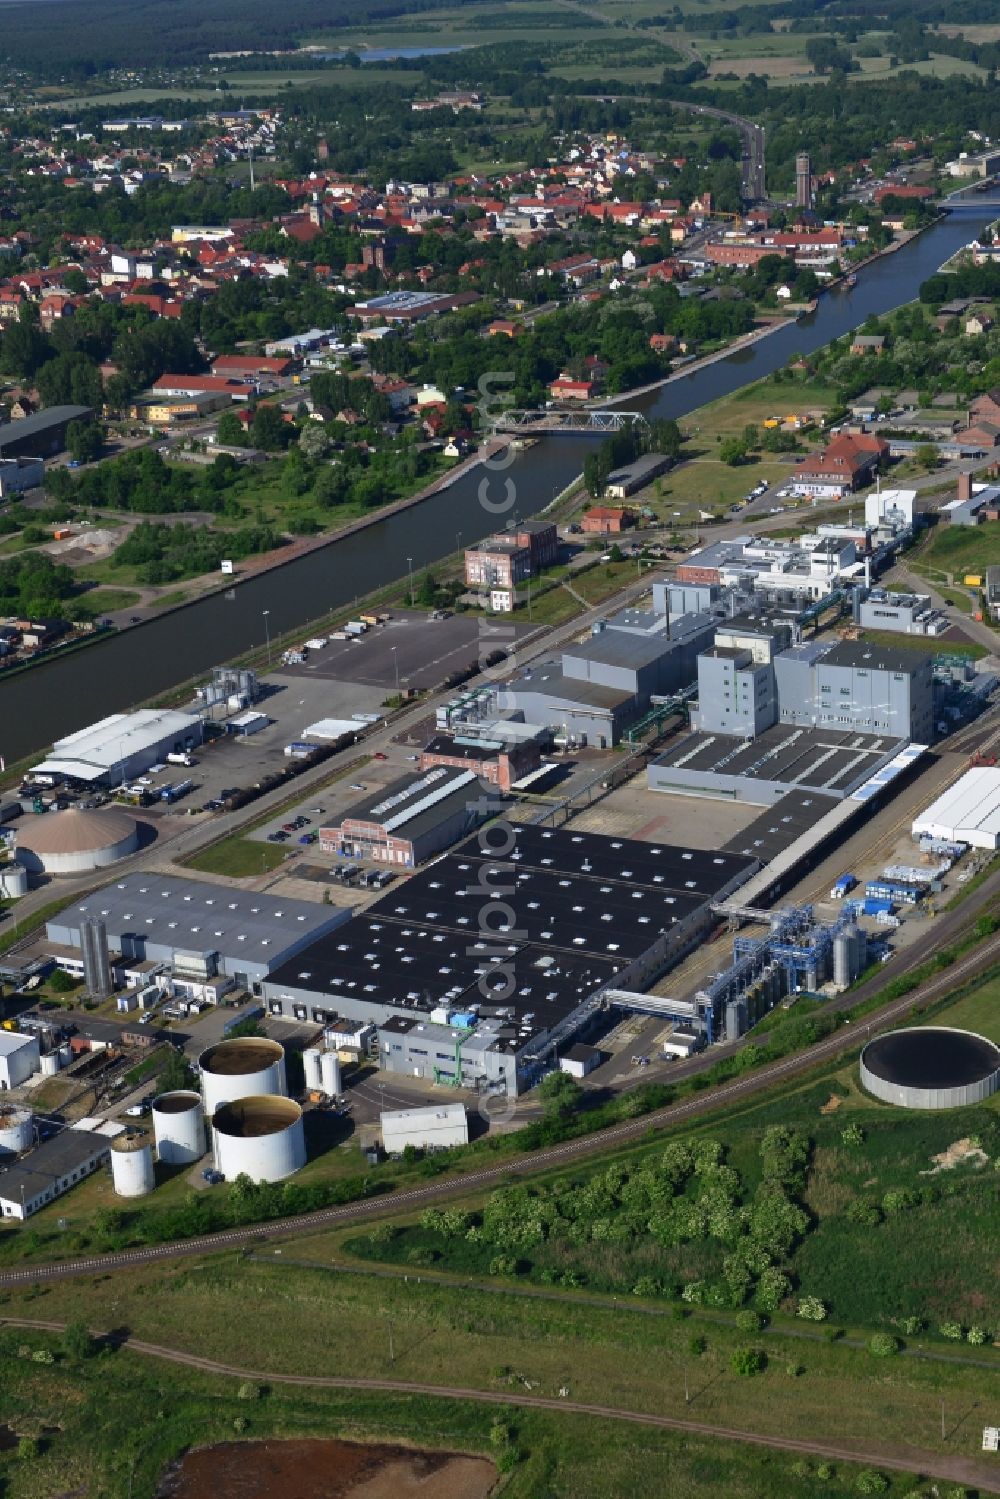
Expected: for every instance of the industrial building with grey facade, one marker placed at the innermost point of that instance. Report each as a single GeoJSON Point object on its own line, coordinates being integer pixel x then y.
{"type": "Point", "coordinates": [771, 717]}
{"type": "Point", "coordinates": [192, 928]}
{"type": "Point", "coordinates": [481, 967]}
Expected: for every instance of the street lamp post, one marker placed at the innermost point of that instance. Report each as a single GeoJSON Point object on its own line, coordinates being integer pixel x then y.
{"type": "Point", "coordinates": [395, 662]}
{"type": "Point", "coordinates": [267, 633]}
{"type": "Point", "coordinates": [409, 573]}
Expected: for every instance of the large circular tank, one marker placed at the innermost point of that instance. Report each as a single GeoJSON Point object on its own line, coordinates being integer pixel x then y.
{"type": "Point", "coordinates": [76, 840]}
{"type": "Point", "coordinates": [259, 1137]}
{"type": "Point", "coordinates": [49, 1063]}
{"type": "Point", "coordinates": [16, 1130]}
{"type": "Point", "coordinates": [931, 1067]}
{"type": "Point", "coordinates": [179, 1128]}
{"type": "Point", "coordinates": [241, 1067]}
{"type": "Point", "coordinates": [132, 1165]}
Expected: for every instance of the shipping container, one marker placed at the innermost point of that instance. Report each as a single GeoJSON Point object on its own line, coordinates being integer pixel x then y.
{"type": "Point", "coordinates": [973, 580]}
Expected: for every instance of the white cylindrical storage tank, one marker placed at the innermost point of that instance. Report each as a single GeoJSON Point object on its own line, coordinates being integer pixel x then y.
{"type": "Point", "coordinates": [49, 1064]}
{"type": "Point", "coordinates": [13, 881]}
{"type": "Point", "coordinates": [179, 1128]}
{"type": "Point", "coordinates": [330, 1065]}
{"type": "Point", "coordinates": [132, 1165]}
{"type": "Point", "coordinates": [259, 1137]}
{"type": "Point", "coordinates": [310, 1060]}
{"type": "Point", "coordinates": [65, 1054]}
{"type": "Point", "coordinates": [16, 1130]}
{"type": "Point", "coordinates": [243, 1067]}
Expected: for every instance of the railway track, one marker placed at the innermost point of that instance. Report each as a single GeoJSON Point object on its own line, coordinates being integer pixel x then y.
{"type": "Point", "coordinates": [552, 1157]}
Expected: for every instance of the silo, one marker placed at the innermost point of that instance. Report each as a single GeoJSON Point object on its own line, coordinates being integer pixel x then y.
{"type": "Point", "coordinates": [258, 1137]}
{"type": "Point", "coordinates": [243, 1067]}
{"type": "Point", "coordinates": [16, 1130]}
{"type": "Point", "coordinates": [330, 1066]}
{"type": "Point", "coordinates": [843, 955]}
{"type": "Point", "coordinates": [65, 1054]}
{"type": "Point", "coordinates": [132, 1165]}
{"type": "Point", "coordinates": [310, 1060]}
{"type": "Point", "coordinates": [13, 881]}
{"type": "Point", "coordinates": [179, 1128]}
{"type": "Point", "coordinates": [49, 1064]}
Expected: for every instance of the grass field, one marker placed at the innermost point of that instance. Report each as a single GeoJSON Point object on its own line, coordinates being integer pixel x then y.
{"type": "Point", "coordinates": [239, 858]}
{"type": "Point", "coordinates": [957, 550]}
{"type": "Point", "coordinates": [978, 1011]}
{"type": "Point", "coordinates": [487, 1339]}
{"type": "Point", "coordinates": [93, 1444]}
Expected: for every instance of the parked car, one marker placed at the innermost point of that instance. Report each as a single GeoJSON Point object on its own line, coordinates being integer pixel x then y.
{"type": "Point", "coordinates": [380, 756]}
{"type": "Point", "coordinates": [358, 786]}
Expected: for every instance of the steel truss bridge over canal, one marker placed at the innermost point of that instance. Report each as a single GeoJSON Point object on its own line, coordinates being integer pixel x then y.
{"type": "Point", "coordinates": [530, 423]}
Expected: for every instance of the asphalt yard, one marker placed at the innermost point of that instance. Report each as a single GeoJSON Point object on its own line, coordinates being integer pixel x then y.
{"type": "Point", "coordinates": [424, 651]}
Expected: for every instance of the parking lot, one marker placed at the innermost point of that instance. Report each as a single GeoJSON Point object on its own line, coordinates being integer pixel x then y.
{"type": "Point", "coordinates": [425, 652]}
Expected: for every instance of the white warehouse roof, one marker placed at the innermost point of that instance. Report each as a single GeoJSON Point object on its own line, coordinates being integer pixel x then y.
{"type": "Point", "coordinates": [968, 812]}
{"type": "Point", "coordinates": [91, 753]}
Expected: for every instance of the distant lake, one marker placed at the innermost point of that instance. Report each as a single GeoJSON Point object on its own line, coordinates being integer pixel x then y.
{"type": "Point", "coordinates": [383, 54]}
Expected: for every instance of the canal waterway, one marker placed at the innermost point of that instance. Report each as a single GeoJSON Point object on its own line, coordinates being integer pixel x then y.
{"type": "Point", "coordinates": [127, 668]}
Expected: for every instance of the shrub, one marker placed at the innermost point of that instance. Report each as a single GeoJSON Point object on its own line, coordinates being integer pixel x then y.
{"type": "Point", "coordinates": [952, 1330]}
{"type": "Point", "coordinates": [794, 1370]}
{"type": "Point", "coordinates": [697, 1345]}
{"type": "Point", "coordinates": [912, 1325]}
{"type": "Point", "coordinates": [812, 1309]}
{"type": "Point", "coordinates": [248, 1391]}
{"type": "Point", "coordinates": [240, 1424]}
{"type": "Point", "coordinates": [871, 1481]}
{"type": "Point", "coordinates": [749, 1321]}
{"type": "Point", "coordinates": [77, 1341]}
{"type": "Point", "coordinates": [503, 1264]}
{"type": "Point", "coordinates": [853, 1135]}
{"type": "Point", "coordinates": [694, 1292]}
{"type": "Point", "coordinates": [27, 1449]}
{"type": "Point", "coordinates": [647, 1285]}
{"type": "Point", "coordinates": [748, 1361]}
{"type": "Point", "coordinates": [862, 1210]}
{"type": "Point", "coordinates": [977, 1336]}
{"type": "Point", "coordinates": [825, 1471]}
{"type": "Point", "coordinates": [882, 1345]}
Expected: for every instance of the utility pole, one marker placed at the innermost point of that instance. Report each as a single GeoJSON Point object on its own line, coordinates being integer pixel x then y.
{"type": "Point", "coordinates": [392, 1351]}
{"type": "Point", "coordinates": [687, 1392]}
{"type": "Point", "coordinates": [943, 1437]}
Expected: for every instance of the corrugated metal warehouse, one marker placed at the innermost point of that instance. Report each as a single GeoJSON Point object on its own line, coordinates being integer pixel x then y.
{"type": "Point", "coordinates": [968, 812]}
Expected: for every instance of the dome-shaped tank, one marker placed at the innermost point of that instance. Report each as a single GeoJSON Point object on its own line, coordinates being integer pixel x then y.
{"type": "Point", "coordinates": [76, 840]}
{"type": "Point", "coordinates": [259, 1137]}
{"type": "Point", "coordinates": [330, 1068]}
{"type": "Point", "coordinates": [16, 1130]}
{"type": "Point", "coordinates": [179, 1127]}
{"type": "Point", "coordinates": [310, 1061]}
{"type": "Point", "coordinates": [239, 1068]}
{"type": "Point", "coordinates": [132, 1165]}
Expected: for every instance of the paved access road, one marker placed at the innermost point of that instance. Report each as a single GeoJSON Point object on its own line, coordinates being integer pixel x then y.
{"type": "Point", "coordinates": [413, 1198]}
{"type": "Point", "coordinates": [954, 1469]}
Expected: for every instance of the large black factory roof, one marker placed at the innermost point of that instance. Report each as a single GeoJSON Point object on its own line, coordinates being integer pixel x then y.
{"type": "Point", "coordinates": [566, 911]}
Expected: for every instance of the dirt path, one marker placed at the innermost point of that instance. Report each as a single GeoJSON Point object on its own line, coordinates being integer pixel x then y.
{"type": "Point", "coordinates": [953, 1469]}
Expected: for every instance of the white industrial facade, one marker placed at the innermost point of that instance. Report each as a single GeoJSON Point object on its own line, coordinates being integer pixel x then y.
{"type": "Point", "coordinates": [19, 1058]}
{"type": "Point", "coordinates": [121, 746]}
{"type": "Point", "coordinates": [968, 812]}
{"type": "Point", "coordinates": [438, 1127]}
